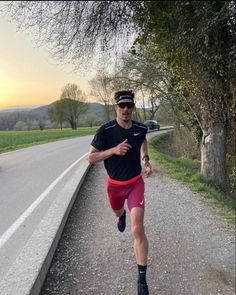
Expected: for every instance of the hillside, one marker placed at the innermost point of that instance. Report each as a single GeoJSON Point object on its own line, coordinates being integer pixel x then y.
{"type": "Point", "coordinates": [9, 118]}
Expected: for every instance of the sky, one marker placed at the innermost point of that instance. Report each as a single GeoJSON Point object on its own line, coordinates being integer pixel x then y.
{"type": "Point", "coordinates": [28, 75]}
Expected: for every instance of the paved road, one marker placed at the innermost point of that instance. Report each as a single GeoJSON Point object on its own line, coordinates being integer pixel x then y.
{"type": "Point", "coordinates": [192, 252]}
{"type": "Point", "coordinates": [26, 173]}
{"type": "Point", "coordinates": [27, 180]}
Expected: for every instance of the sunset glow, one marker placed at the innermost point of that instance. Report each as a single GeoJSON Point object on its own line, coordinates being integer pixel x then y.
{"type": "Point", "coordinates": [28, 76]}
{"type": "Point", "coordinates": [6, 90]}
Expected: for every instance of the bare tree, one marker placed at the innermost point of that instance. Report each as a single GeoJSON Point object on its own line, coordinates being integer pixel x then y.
{"type": "Point", "coordinates": [92, 120]}
{"type": "Point", "coordinates": [74, 31]}
{"type": "Point", "coordinates": [101, 88]}
{"type": "Point", "coordinates": [154, 101]}
{"type": "Point", "coordinates": [148, 79]}
{"type": "Point", "coordinates": [20, 125]}
{"type": "Point", "coordinates": [143, 105]}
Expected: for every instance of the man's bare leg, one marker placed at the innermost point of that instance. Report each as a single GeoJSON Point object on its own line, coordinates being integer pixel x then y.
{"type": "Point", "coordinates": [140, 239]}
{"type": "Point", "coordinates": [140, 248]}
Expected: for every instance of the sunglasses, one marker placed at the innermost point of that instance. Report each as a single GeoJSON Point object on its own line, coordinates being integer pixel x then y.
{"type": "Point", "coordinates": [129, 105]}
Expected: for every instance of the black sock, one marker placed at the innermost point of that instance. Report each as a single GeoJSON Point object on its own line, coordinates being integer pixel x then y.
{"type": "Point", "coordinates": [122, 217]}
{"type": "Point", "coordinates": [142, 274]}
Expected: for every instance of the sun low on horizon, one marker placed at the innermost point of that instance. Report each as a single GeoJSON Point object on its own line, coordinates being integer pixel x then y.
{"type": "Point", "coordinates": [6, 91]}
{"type": "Point", "coordinates": [26, 91]}
{"type": "Point", "coordinates": [19, 92]}
{"type": "Point", "coordinates": [28, 75]}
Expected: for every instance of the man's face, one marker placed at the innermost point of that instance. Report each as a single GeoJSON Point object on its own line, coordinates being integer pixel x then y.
{"type": "Point", "coordinates": [124, 109]}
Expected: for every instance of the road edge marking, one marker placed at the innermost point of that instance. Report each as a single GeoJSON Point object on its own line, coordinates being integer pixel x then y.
{"type": "Point", "coordinates": [13, 228]}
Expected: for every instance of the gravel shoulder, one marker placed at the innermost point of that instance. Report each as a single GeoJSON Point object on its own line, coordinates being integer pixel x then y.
{"type": "Point", "coordinates": [191, 251]}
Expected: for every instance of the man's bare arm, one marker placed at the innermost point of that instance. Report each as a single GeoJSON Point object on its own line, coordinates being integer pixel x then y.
{"type": "Point", "coordinates": [144, 149]}
{"type": "Point", "coordinates": [96, 156]}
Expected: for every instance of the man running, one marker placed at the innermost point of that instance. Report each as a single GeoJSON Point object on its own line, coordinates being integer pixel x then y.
{"type": "Point", "coordinates": [122, 144]}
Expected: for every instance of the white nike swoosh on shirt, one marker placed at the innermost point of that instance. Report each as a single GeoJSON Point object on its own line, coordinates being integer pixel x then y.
{"type": "Point", "coordinates": [136, 134]}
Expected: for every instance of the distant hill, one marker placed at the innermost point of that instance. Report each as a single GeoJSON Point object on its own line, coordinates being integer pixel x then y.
{"type": "Point", "coordinates": [13, 110]}
{"type": "Point", "coordinates": [96, 109]}
{"type": "Point", "coordinates": [8, 118]}
{"type": "Point", "coordinates": [43, 112]}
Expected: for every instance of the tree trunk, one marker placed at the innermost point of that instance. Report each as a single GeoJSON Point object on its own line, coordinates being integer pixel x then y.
{"type": "Point", "coordinates": [213, 155]}
{"type": "Point", "coordinates": [107, 111]}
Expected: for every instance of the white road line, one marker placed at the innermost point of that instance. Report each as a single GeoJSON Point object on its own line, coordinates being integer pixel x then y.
{"type": "Point", "coordinates": [13, 228]}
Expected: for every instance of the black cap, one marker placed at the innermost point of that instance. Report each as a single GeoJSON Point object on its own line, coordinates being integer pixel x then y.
{"type": "Point", "coordinates": [124, 94]}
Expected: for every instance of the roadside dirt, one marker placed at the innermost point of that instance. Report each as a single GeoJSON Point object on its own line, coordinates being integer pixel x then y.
{"type": "Point", "coordinates": [191, 251]}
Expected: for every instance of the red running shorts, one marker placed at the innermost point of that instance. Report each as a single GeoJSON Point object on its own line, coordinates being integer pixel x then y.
{"type": "Point", "coordinates": [131, 190]}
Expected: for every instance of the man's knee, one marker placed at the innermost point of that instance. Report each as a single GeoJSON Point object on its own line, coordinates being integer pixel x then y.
{"type": "Point", "coordinates": [137, 227]}
{"type": "Point", "coordinates": [138, 230]}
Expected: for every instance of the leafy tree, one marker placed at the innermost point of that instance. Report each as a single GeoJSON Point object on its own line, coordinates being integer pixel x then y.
{"type": "Point", "coordinates": [72, 104]}
{"type": "Point", "coordinates": [59, 114]}
{"type": "Point", "coordinates": [196, 40]}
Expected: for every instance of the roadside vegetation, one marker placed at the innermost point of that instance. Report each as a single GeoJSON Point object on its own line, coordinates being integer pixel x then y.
{"type": "Point", "coordinates": [11, 140]}
{"type": "Point", "coordinates": [164, 151]}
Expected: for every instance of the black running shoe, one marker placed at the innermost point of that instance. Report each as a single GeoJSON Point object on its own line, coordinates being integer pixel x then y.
{"type": "Point", "coordinates": [143, 289]}
{"type": "Point", "coordinates": [121, 224]}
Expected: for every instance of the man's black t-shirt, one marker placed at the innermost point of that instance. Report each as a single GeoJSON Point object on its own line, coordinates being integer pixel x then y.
{"type": "Point", "coordinates": [110, 135]}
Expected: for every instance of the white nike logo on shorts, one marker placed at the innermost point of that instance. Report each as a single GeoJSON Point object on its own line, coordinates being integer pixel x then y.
{"type": "Point", "coordinates": [141, 203]}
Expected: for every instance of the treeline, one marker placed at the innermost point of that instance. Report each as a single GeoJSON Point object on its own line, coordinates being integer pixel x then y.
{"type": "Point", "coordinates": [93, 114]}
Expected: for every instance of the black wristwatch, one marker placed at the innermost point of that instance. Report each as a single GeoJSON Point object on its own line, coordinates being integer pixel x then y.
{"type": "Point", "coordinates": [145, 158]}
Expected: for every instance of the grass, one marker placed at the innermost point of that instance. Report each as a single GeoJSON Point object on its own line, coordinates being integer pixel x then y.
{"type": "Point", "coordinates": [11, 140]}
{"type": "Point", "coordinates": [188, 172]}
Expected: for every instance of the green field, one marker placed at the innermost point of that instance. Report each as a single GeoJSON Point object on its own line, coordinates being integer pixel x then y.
{"type": "Point", "coordinates": [11, 140]}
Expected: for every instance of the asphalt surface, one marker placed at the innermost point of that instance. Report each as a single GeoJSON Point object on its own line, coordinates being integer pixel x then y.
{"type": "Point", "coordinates": [191, 250]}
{"type": "Point", "coordinates": [27, 173]}
{"type": "Point", "coordinates": [28, 179]}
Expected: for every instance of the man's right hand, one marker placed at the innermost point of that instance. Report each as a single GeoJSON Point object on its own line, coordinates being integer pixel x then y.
{"type": "Point", "coordinates": [122, 148]}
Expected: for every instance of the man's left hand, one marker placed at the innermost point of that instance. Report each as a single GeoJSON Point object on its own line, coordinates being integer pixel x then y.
{"type": "Point", "coordinates": [148, 168]}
